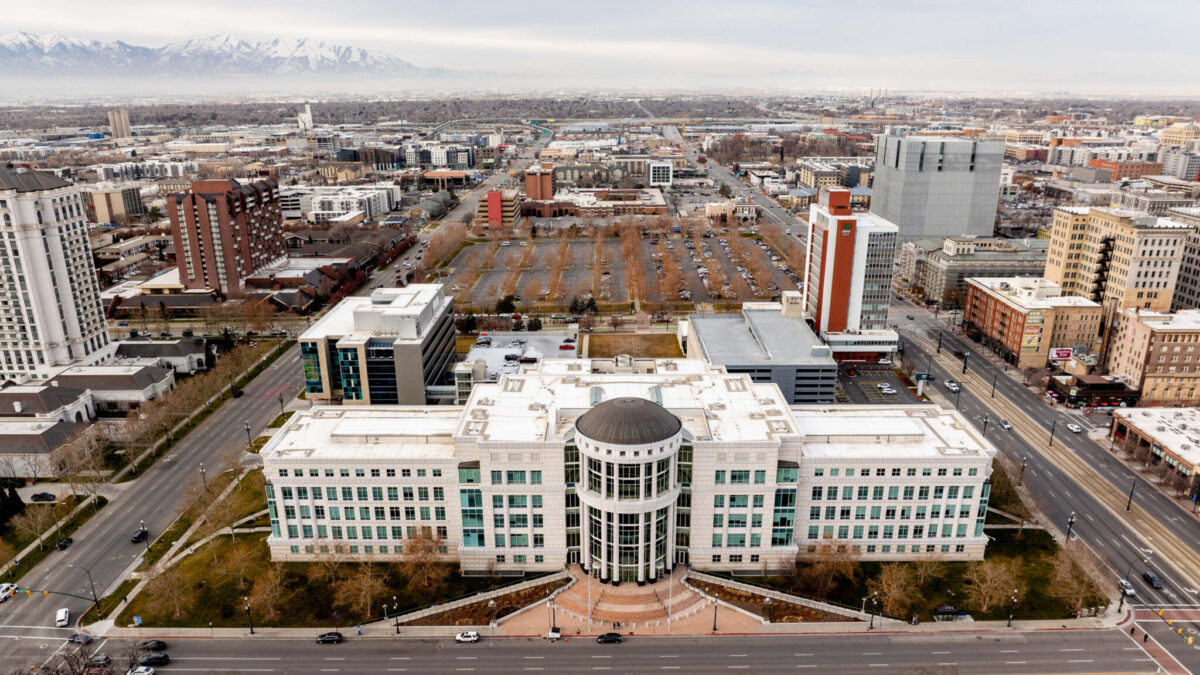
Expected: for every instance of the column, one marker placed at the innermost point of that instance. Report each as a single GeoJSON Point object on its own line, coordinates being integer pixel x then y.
{"type": "Point", "coordinates": [641, 576]}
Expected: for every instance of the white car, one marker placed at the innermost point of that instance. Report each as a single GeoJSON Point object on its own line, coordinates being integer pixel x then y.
{"type": "Point", "coordinates": [5, 589]}
{"type": "Point", "coordinates": [1075, 428]}
{"type": "Point", "coordinates": [467, 636]}
{"type": "Point", "coordinates": [1004, 424]}
{"type": "Point", "coordinates": [141, 670]}
{"type": "Point", "coordinates": [1126, 588]}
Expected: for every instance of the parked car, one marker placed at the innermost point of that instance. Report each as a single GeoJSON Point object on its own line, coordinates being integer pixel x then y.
{"type": "Point", "coordinates": [1004, 424]}
{"type": "Point", "coordinates": [63, 544]}
{"type": "Point", "coordinates": [554, 634]}
{"type": "Point", "coordinates": [141, 670]}
{"type": "Point", "coordinates": [331, 638]}
{"type": "Point", "coordinates": [910, 317]}
{"type": "Point", "coordinates": [1152, 579]}
{"type": "Point", "coordinates": [153, 646]}
{"type": "Point", "coordinates": [1075, 428]}
{"type": "Point", "coordinates": [609, 638]}
{"type": "Point", "coordinates": [156, 659]}
{"type": "Point", "coordinates": [139, 536]}
{"type": "Point", "coordinates": [467, 636]}
{"type": "Point", "coordinates": [101, 660]}
{"type": "Point", "coordinates": [42, 497]}
{"type": "Point", "coordinates": [1126, 588]}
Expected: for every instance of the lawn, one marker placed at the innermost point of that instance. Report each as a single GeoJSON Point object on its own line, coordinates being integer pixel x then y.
{"type": "Point", "coordinates": [210, 586]}
{"type": "Point", "coordinates": [67, 528]}
{"type": "Point", "coordinates": [648, 345]}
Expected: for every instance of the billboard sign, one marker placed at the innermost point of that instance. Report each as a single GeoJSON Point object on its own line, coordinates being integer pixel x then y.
{"type": "Point", "coordinates": [1060, 353]}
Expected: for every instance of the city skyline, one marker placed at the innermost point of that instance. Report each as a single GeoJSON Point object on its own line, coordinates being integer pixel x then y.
{"type": "Point", "coordinates": [677, 46]}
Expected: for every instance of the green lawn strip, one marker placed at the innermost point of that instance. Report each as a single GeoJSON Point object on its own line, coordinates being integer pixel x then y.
{"type": "Point", "coordinates": [213, 593]}
{"type": "Point", "coordinates": [67, 529]}
{"type": "Point", "coordinates": [279, 420]}
{"type": "Point", "coordinates": [109, 602]}
{"type": "Point", "coordinates": [188, 515]}
{"type": "Point", "coordinates": [140, 467]}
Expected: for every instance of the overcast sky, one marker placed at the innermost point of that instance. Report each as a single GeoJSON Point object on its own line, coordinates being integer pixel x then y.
{"type": "Point", "coordinates": [1078, 46]}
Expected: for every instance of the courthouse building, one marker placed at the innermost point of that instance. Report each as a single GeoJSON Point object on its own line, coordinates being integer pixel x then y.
{"type": "Point", "coordinates": [633, 465]}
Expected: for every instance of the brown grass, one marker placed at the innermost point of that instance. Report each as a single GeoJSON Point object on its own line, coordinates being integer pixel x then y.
{"type": "Point", "coordinates": [655, 345]}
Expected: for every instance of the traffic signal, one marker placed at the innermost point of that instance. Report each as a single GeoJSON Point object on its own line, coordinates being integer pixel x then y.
{"type": "Point", "coordinates": [45, 594]}
{"type": "Point", "coordinates": [28, 593]}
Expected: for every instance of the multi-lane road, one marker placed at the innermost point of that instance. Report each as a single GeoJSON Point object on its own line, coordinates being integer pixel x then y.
{"type": "Point", "coordinates": [1110, 651]}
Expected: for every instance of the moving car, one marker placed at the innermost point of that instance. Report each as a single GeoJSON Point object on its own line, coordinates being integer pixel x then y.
{"type": "Point", "coordinates": [5, 590]}
{"type": "Point", "coordinates": [609, 638]}
{"type": "Point", "coordinates": [1126, 588]}
{"type": "Point", "coordinates": [63, 544]}
{"type": "Point", "coordinates": [910, 317]}
{"type": "Point", "coordinates": [102, 660]}
{"type": "Point", "coordinates": [42, 497]}
{"type": "Point", "coordinates": [952, 386]}
{"type": "Point", "coordinates": [1075, 428]}
{"type": "Point", "coordinates": [331, 638]}
{"type": "Point", "coordinates": [139, 536]}
{"type": "Point", "coordinates": [1152, 579]}
{"type": "Point", "coordinates": [153, 646]}
{"type": "Point", "coordinates": [1004, 424]}
{"type": "Point", "coordinates": [80, 639]}
{"type": "Point", "coordinates": [467, 636]}
{"type": "Point", "coordinates": [156, 659]}
{"type": "Point", "coordinates": [141, 670]}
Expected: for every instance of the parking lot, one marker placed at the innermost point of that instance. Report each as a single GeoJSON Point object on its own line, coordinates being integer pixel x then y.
{"type": "Point", "coordinates": [863, 388]}
{"type": "Point", "coordinates": [543, 271]}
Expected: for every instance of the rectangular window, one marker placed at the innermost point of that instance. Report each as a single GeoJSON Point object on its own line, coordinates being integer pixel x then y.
{"type": "Point", "coordinates": [739, 477]}
{"type": "Point", "coordinates": [719, 478]}
{"type": "Point", "coordinates": [760, 477]}
{"type": "Point", "coordinates": [535, 477]}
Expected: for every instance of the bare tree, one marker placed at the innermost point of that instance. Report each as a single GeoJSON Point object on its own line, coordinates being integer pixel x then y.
{"type": "Point", "coordinates": [422, 563]}
{"type": "Point", "coordinates": [991, 582]}
{"type": "Point", "coordinates": [896, 588]}
{"type": "Point", "coordinates": [168, 592]}
{"type": "Point", "coordinates": [927, 568]}
{"type": "Point", "coordinates": [270, 591]}
{"type": "Point", "coordinates": [359, 591]}
{"type": "Point", "coordinates": [33, 522]}
{"type": "Point", "coordinates": [1073, 579]}
{"type": "Point", "coordinates": [831, 563]}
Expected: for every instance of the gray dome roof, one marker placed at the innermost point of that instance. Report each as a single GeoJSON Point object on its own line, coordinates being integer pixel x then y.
{"type": "Point", "coordinates": [628, 421]}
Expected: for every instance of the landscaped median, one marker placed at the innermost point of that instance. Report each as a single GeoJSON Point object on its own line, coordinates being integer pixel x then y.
{"type": "Point", "coordinates": [28, 552]}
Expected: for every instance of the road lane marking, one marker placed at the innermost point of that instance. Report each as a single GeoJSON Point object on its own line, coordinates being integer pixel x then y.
{"type": "Point", "coordinates": [594, 656]}
{"type": "Point", "coordinates": [939, 652]}
{"type": "Point", "coordinates": [533, 668]}
{"type": "Point", "coordinates": [399, 658]}
{"type": "Point", "coordinates": [1076, 649]}
{"type": "Point", "coordinates": [1010, 651]}
{"type": "Point", "coordinates": [877, 665]}
{"type": "Point", "coordinates": [801, 654]}
{"type": "Point", "coordinates": [807, 665]}
{"type": "Point", "coordinates": [663, 656]}
{"type": "Point", "coordinates": [1079, 661]}
{"type": "Point", "coordinates": [1014, 663]}
{"type": "Point", "coordinates": [738, 656]}
{"type": "Point", "coordinates": [669, 667]}
{"type": "Point", "coordinates": [335, 658]}
{"type": "Point", "coordinates": [535, 657]}
{"type": "Point", "coordinates": [466, 658]}
{"type": "Point", "coordinates": [872, 653]}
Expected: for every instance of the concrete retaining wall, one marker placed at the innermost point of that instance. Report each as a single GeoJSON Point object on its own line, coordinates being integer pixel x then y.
{"type": "Point", "coordinates": [785, 597]}
{"type": "Point", "coordinates": [481, 597]}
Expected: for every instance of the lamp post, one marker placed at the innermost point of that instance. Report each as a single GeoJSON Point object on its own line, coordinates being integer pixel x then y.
{"type": "Point", "coordinates": [715, 605]}
{"type": "Point", "coordinates": [874, 608]}
{"type": "Point", "coordinates": [396, 613]}
{"type": "Point", "coordinates": [939, 341]}
{"type": "Point", "coordinates": [1024, 461]}
{"type": "Point", "coordinates": [280, 403]}
{"type": "Point", "coordinates": [143, 527]}
{"type": "Point", "coordinates": [957, 398]}
{"type": "Point", "coordinates": [994, 378]}
{"type": "Point", "coordinates": [1013, 609]}
{"type": "Point", "coordinates": [986, 419]}
{"type": "Point", "coordinates": [1128, 569]}
{"type": "Point", "coordinates": [204, 476]}
{"type": "Point", "coordinates": [1129, 502]}
{"type": "Point", "coordinates": [1052, 428]}
{"type": "Point", "coordinates": [249, 618]}
{"type": "Point", "coordinates": [589, 571]}
{"type": "Point", "coordinates": [91, 584]}
{"type": "Point", "coordinates": [249, 440]}
{"type": "Point", "coordinates": [1070, 526]}
{"type": "Point", "coordinates": [965, 355]}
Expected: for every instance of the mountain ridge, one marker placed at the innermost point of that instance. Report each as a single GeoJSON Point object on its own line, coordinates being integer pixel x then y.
{"type": "Point", "coordinates": [23, 53]}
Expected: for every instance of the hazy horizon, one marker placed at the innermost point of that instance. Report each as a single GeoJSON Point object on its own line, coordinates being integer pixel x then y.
{"type": "Point", "coordinates": [1073, 47]}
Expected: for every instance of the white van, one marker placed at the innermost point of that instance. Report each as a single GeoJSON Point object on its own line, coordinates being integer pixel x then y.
{"type": "Point", "coordinates": [62, 618]}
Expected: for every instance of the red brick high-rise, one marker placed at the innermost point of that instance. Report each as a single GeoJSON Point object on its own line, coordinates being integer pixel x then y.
{"type": "Point", "coordinates": [539, 182]}
{"type": "Point", "coordinates": [225, 231]}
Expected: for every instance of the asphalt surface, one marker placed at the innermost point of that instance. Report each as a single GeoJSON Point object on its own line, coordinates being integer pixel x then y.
{"type": "Point", "coordinates": [1058, 651]}
{"type": "Point", "coordinates": [1112, 535]}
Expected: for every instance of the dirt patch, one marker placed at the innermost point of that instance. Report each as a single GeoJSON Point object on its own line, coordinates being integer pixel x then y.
{"type": "Point", "coordinates": [486, 611]}
{"type": "Point", "coordinates": [658, 345]}
{"type": "Point", "coordinates": [777, 611]}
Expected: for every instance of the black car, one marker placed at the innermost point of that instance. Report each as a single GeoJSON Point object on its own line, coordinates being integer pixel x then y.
{"type": "Point", "coordinates": [330, 638]}
{"type": "Point", "coordinates": [102, 660]}
{"type": "Point", "coordinates": [80, 639]}
{"type": "Point", "coordinates": [42, 497]}
{"type": "Point", "coordinates": [1152, 579]}
{"type": "Point", "coordinates": [139, 536]}
{"type": "Point", "coordinates": [157, 659]}
{"type": "Point", "coordinates": [609, 638]}
{"type": "Point", "coordinates": [153, 646]}
{"type": "Point", "coordinates": [63, 544]}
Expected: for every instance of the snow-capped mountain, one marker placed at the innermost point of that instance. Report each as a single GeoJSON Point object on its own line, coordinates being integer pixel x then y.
{"type": "Point", "coordinates": [25, 53]}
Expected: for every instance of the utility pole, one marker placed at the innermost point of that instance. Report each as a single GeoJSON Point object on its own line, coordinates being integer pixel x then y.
{"type": "Point", "coordinates": [1052, 428]}
{"type": "Point", "coordinates": [1129, 503]}
{"type": "Point", "coordinates": [1024, 462]}
{"type": "Point", "coordinates": [986, 419]}
{"type": "Point", "coordinates": [994, 378]}
{"type": "Point", "coordinates": [1013, 609]}
{"type": "Point", "coordinates": [965, 355]}
{"type": "Point", "coordinates": [1070, 526]}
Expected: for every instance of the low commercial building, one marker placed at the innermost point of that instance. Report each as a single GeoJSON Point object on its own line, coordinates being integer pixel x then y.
{"type": "Point", "coordinates": [941, 274]}
{"type": "Point", "coordinates": [770, 342]}
{"type": "Point", "coordinates": [46, 402]}
{"type": "Point", "coordinates": [390, 347]}
{"type": "Point", "coordinates": [629, 470]}
{"type": "Point", "coordinates": [32, 448]}
{"type": "Point", "coordinates": [1028, 322]}
{"type": "Point", "coordinates": [1121, 169]}
{"type": "Point", "coordinates": [1159, 353]}
{"type": "Point", "coordinates": [118, 388]}
{"type": "Point", "coordinates": [598, 203]}
{"type": "Point", "coordinates": [1167, 439]}
{"type": "Point", "coordinates": [499, 209]}
{"type": "Point", "coordinates": [185, 356]}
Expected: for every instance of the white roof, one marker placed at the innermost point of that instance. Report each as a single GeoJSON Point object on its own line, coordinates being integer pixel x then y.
{"type": "Point", "coordinates": [370, 432]}
{"type": "Point", "coordinates": [1177, 430]}
{"type": "Point", "coordinates": [889, 431]}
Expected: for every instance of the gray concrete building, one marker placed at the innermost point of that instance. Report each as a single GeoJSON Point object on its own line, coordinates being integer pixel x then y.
{"type": "Point", "coordinates": [941, 275]}
{"type": "Point", "coordinates": [1187, 283]}
{"type": "Point", "coordinates": [770, 344]}
{"type": "Point", "coordinates": [937, 186]}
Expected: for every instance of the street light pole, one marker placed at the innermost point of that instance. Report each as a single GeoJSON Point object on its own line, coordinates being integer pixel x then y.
{"type": "Point", "coordinates": [1052, 428]}
{"type": "Point", "coordinates": [248, 439]}
{"type": "Point", "coordinates": [957, 398]}
{"type": "Point", "coordinates": [986, 419]}
{"type": "Point", "coordinates": [1129, 503]}
{"type": "Point", "coordinates": [204, 476]}
{"type": "Point", "coordinates": [396, 613]}
{"type": "Point", "coordinates": [994, 378]}
{"type": "Point", "coordinates": [874, 608]}
{"type": "Point", "coordinates": [1024, 461]}
{"type": "Point", "coordinates": [249, 618]}
{"type": "Point", "coordinates": [715, 605]}
{"type": "Point", "coordinates": [939, 342]}
{"type": "Point", "coordinates": [1013, 609]}
{"type": "Point", "coordinates": [143, 526]}
{"type": "Point", "coordinates": [281, 403]}
{"type": "Point", "coordinates": [91, 584]}
{"type": "Point", "coordinates": [1070, 526]}
{"type": "Point", "coordinates": [965, 355]}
